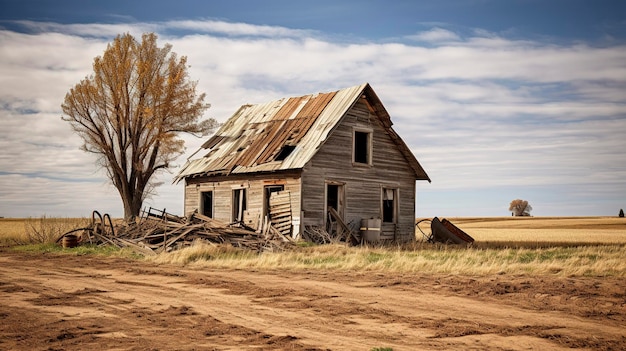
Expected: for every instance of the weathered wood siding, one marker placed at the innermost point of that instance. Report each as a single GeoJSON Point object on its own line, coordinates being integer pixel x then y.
{"type": "Point", "coordinates": [363, 183]}
{"type": "Point", "coordinates": [223, 186]}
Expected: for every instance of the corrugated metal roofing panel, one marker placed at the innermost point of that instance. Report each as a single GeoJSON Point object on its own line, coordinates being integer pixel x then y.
{"type": "Point", "coordinates": [294, 128]}
{"type": "Point", "coordinates": [255, 135]}
{"type": "Point", "coordinates": [252, 138]}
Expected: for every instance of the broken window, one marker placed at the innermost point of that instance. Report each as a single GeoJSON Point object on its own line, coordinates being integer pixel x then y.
{"type": "Point", "coordinates": [239, 204]}
{"type": "Point", "coordinates": [389, 205]}
{"type": "Point", "coordinates": [206, 203]}
{"type": "Point", "coordinates": [362, 147]}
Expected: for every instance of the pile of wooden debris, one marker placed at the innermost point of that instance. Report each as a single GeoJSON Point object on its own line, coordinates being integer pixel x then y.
{"type": "Point", "coordinates": [339, 229]}
{"type": "Point", "coordinates": [163, 232]}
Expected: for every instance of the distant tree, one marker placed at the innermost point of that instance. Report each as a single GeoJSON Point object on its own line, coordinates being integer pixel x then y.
{"type": "Point", "coordinates": [130, 111]}
{"type": "Point", "coordinates": [520, 207]}
{"type": "Point", "coordinates": [621, 213]}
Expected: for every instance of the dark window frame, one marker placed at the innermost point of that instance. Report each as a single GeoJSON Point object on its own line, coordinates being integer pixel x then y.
{"type": "Point", "coordinates": [362, 140]}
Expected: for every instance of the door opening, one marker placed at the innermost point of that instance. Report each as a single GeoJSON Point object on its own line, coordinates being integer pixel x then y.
{"type": "Point", "coordinates": [332, 196]}
{"type": "Point", "coordinates": [206, 203]}
{"type": "Point", "coordinates": [239, 204]}
{"type": "Point", "coordinates": [389, 205]}
{"type": "Point", "coordinates": [334, 200]}
{"type": "Point", "coordinates": [269, 189]}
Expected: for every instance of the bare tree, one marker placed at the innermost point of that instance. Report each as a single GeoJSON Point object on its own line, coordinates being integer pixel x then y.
{"type": "Point", "coordinates": [520, 207]}
{"type": "Point", "coordinates": [130, 111]}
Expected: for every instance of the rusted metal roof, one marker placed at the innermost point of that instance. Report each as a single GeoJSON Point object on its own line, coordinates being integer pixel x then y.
{"type": "Point", "coordinates": [283, 134]}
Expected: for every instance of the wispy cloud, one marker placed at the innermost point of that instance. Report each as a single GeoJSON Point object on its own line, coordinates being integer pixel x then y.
{"type": "Point", "coordinates": [480, 111]}
{"type": "Point", "coordinates": [435, 35]}
{"type": "Point", "coordinates": [208, 26]}
{"type": "Point", "coordinates": [94, 30]}
{"type": "Point", "coordinates": [234, 29]}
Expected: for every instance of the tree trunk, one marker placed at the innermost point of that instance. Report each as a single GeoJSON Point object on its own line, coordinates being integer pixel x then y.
{"type": "Point", "coordinates": [132, 206]}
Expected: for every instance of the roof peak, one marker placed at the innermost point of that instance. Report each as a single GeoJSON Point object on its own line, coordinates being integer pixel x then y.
{"type": "Point", "coordinates": [358, 86]}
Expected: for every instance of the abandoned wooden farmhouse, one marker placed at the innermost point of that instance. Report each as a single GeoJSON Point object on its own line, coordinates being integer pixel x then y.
{"type": "Point", "coordinates": [301, 162]}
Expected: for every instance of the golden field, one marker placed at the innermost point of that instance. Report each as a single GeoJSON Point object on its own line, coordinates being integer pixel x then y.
{"type": "Point", "coordinates": [584, 230]}
{"type": "Point", "coordinates": [36, 230]}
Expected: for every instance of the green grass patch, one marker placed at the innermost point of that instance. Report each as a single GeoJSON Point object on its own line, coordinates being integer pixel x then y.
{"type": "Point", "coordinates": [320, 261]}
{"type": "Point", "coordinates": [37, 248]}
{"type": "Point", "coordinates": [373, 257]}
{"type": "Point", "coordinates": [81, 250]}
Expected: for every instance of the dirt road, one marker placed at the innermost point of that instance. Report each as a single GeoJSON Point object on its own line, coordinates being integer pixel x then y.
{"type": "Point", "coordinates": [52, 302]}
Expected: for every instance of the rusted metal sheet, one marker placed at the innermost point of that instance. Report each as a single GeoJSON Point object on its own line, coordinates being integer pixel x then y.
{"type": "Point", "coordinates": [321, 128]}
{"type": "Point", "coordinates": [446, 232]}
{"type": "Point", "coordinates": [293, 129]}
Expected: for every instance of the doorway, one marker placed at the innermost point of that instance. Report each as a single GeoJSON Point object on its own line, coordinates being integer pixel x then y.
{"type": "Point", "coordinates": [206, 203]}
{"type": "Point", "coordinates": [268, 191]}
{"type": "Point", "coordinates": [240, 204]}
{"type": "Point", "coordinates": [335, 199]}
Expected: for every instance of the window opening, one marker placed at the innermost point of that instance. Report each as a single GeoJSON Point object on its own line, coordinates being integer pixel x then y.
{"type": "Point", "coordinates": [361, 147]}
{"type": "Point", "coordinates": [206, 203]}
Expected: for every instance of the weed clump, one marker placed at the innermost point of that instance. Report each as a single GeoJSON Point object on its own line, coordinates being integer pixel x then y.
{"type": "Point", "coordinates": [45, 230]}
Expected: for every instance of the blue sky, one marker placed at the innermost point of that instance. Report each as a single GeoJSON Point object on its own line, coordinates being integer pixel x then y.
{"type": "Point", "coordinates": [497, 99]}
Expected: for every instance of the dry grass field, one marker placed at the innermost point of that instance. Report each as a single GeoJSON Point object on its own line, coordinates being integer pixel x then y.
{"type": "Point", "coordinates": [599, 230]}
{"type": "Point", "coordinates": [16, 231]}
{"type": "Point", "coordinates": [562, 246]}
{"type": "Point", "coordinates": [568, 247]}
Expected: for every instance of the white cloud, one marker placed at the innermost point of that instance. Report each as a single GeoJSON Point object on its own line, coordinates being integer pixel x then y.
{"type": "Point", "coordinates": [479, 113]}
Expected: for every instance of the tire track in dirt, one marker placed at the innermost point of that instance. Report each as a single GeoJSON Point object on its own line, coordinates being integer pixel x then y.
{"type": "Point", "coordinates": [444, 316]}
{"type": "Point", "coordinates": [73, 302]}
